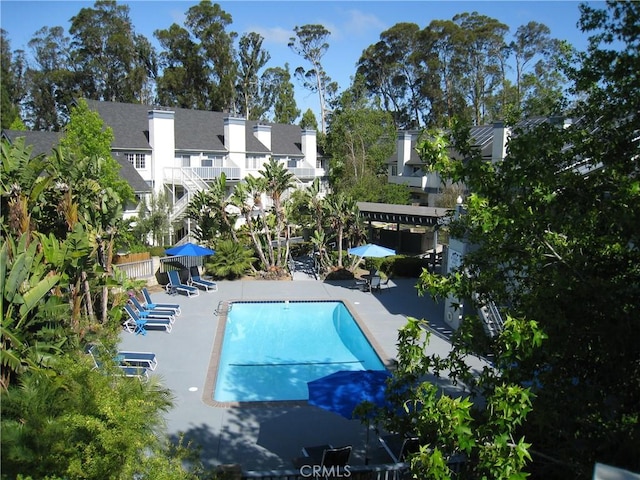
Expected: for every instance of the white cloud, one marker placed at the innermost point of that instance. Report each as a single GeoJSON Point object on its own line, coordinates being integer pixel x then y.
{"type": "Point", "coordinates": [275, 35]}
{"type": "Point", "coordinates": [359, 22]}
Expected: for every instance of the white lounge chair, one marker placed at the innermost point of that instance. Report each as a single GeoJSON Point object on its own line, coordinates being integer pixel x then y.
{"type": "Point", "coordinates": [144, 313]}
{"type": "Point", "coordinates": [138, 325]}
{"type": "Point", "coordinates": [160, 306]}
{"type": "Point", "coordinates": [138, 371]}
{"type": "Point", "coordinates": [175, 285]}
{"type": "Point", "coordinates": [197, 281]}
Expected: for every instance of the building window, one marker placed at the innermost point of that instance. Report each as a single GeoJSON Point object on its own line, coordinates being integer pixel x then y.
{"type": "Point", "coordinates": [292, 163]}
{"type": "Point", "coordinates": [207, 162]}
{"type": "Point", "coordinates": [394, 170]}
{"type": "Point", "coordinates": [136, 159]}
{"type": "Point", "coordinates": [252, 163]}
{"type": "Point", "coordinates": [185, 160]}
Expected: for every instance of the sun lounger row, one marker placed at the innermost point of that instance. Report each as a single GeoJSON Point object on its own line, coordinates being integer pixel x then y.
{"type": "Point", "coordinates": [194, 285]}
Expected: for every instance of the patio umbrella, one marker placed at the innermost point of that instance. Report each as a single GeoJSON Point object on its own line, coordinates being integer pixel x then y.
{"type": "Point", "coordinates": [189, 250]}
{"type": "Point", "coordinates": [371, 250]}
{"type": "Point", "coordinates": [342, 391]}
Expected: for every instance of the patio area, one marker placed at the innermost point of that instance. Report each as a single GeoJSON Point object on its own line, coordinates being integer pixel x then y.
{"type": "Point", "coordinates": [269, 437]}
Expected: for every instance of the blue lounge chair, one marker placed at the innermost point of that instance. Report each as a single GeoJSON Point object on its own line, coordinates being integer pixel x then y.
{"type": "Point", "coordinates": [197, 281]}
{"type": "Point", "coordinates": [160, 306]}
{"type": "Point", "coordinates": [139, 326]}
{"type": "Point", "coordinates": [175, 285]}
{"type": "Point", "coordinates": [137, 359]}
{"type": "Point", "coordinates": [144, 313]}
{"type": "Point", "coordinates": [399, 447]}
{"type": "Point", "coordinates": [138, 371]}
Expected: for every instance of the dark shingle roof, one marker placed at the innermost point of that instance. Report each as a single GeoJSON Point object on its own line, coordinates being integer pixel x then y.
{"type": "Point", "coordinates": [195, 130]}
{"type": "Point", "coordinates": [42, 142]}
{"type": "Point", "coordinates": [45, 142]}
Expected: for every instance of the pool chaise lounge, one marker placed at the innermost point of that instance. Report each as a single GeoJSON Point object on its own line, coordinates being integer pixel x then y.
{"type": "Point", "coordinates": [138, 371]}
{"type": "Point", "coordinates": [175, 285]}
{"type": "Point", "coordinates": [155, 313]}
{"type": "Point", "coordinates": [139, 326]}
{"type": "Point", "coordinates": [146, 360]}
{"type": "Point", "coordinates": [197, 281]}
{"type": "Point", "coordinates": [160, 306]}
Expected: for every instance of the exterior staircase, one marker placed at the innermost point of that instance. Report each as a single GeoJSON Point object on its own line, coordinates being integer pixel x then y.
{"type": "Point", "coordinates": [192, 184]}
{"type": "Point", "coordinates": [491, 319]}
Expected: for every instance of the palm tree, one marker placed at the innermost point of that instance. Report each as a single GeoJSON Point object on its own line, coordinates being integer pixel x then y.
{"type": "Point", "coordinates": [341, 209]}
{"type": "Point", "coordinates": [277, 181]}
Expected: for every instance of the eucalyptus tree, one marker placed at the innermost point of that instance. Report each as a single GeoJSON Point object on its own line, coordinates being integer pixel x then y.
{"type": "Point", "coordinates": [49, 80]}
{"type": "Point", "coordinates": [394, 70]}
{"type": "Point", "coordinates": [311, 44]}
{"type": "Point", "coordinates": [279, 93]}
{"type": "Point", "coordinates": [251, 59]}
{"type": "Point", "coordinates": [481, 51]}
{"type": "Point", "coordinates": [208, 23]}
{"type": "Point", "coordinates": [106, 53]}
{"type": "Point", "coordinates": [184, 81]}
{"type": "Point", "coordinates": [308, 120]}
{"type": "Point", "coordinates": [11, 81]}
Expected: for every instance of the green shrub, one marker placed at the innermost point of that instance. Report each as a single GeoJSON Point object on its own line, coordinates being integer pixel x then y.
{"type": "Point", "coordinates": [401, 266]}
{"type": "Point", "coordinates": [157, 251]}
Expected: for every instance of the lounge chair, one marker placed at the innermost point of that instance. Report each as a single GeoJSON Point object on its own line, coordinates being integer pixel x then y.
{"type": "Point", "coordinates": [138, 325]}
{"type": "Point", "coordinates": [399, 446]}
{"type": "Point", "coordinates": [324, 456]}
{"type": "Point", "coordinates": [375, 283]}
{"type": "Point", "coordinates": [160, 306]}
{"type": "Point", "coordinates": [137, 359]}
{"type": "Point", "coordinates": [138, 371]}
{"type": "Point", "coordinates": [175, 285]}
{"type": "Point", "coordinates": [156, 313]}
{"type": "Point", "coordinates": [197, 281]}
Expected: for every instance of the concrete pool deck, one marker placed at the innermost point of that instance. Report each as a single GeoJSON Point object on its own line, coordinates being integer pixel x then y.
{"type": "Point", "coordinates": [269, 437]}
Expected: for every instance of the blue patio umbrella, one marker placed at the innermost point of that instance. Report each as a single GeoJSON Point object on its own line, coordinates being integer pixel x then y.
{"type": "Point", "coordinates": [189, 250]}
{"type": "Point", "coordinates": [342, 391]}
{"type": "Point", "coordinates": [371, 250]}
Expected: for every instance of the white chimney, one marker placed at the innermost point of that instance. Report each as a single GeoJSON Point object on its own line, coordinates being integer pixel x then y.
{"type": "Point", "coordinates": [263, 134]}
{"type": "Point", "coordinates": [235, 140]}
{"type": "Point", "coordinates": [501, 135]}
{"type": "Point", "coordinates": [404, 152]}
{"type": "Point", "coordinates": [163, 145]}
{"type": "Point", "coordinates": [309, 147]}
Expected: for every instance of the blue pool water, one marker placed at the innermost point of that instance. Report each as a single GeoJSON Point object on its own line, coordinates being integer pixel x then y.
{"type": "Point", "coordinates": [272, 349]}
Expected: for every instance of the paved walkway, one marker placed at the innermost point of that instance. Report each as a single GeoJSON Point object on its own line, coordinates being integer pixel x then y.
{"type": "Point", "coordinates": [261, 438]}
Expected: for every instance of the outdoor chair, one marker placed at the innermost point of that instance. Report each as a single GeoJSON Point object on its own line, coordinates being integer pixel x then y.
{"type": "Point", "coordinates": [176, 286]}
{"type": "Point", "coordinates": [324, 456]}
{"type": "Point", "coordinates": [375, 283]}
{"type": "Point", "coordinates": [145, 313]}
{"type": "Point", "coordinates": [399, 446]}
{"type": "Point", "coordinates": [137, 325]}
{"type": "Point", "coordinates": [160, 306]}
{"type": "Point", "coordinates": [146, 360]}
{"type": "Point", "coordinates": [197, 281]}
{"type": "Point", "coordinates": [137, 371]}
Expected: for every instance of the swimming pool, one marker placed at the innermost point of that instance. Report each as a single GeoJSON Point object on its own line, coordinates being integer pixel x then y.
{"type": "Point", "coordinates": [270, 350]}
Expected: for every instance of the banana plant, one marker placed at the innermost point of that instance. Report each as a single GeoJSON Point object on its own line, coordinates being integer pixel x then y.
{"type": "Point", "coordinates": [24, 283]}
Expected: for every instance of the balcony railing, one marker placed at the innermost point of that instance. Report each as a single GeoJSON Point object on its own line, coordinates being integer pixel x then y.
{"type": "Point", "coordinates": [176, 175]}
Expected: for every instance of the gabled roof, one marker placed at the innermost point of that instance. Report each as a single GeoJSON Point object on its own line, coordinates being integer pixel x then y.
{"type": "Point", "coordinates": [45, 142]}
{"type": "Point", "coordinates": [42, 142]}
{"type": "Point", "coordinates": [195, 130]}
{"type": "Point", "coordinates": [481, 138]}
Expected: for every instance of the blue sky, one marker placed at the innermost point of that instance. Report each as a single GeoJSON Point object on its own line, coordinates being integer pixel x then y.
{"type": "Point", "coordinates": [354, 25]}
